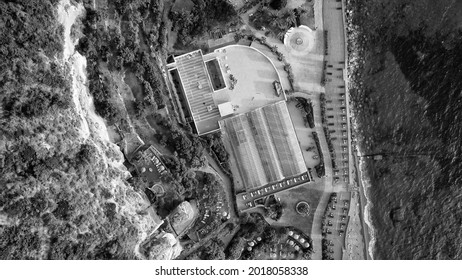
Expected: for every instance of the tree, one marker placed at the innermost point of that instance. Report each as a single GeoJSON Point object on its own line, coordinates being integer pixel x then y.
{"type": "Point", "coordinates": [127, 55]}
{"type": "Point", "coordinates": [209, 179]}
{"type": "Point", "coordinates": [281, 35]}
{"type": "Point", "coordinates": [290, 18]}
{"type": "Point", "coordinates": [274, 18]}
{"type": "Point", "coordinates": [272, 236]}
{"type": "Point", "coordinates": [213, 250]}
{"type": "Point", "coordinates": [274, 211]}
{"type": "Point", "coordinates": [235, 248]}
{"type": "Point", "coordinates": [278, 4]}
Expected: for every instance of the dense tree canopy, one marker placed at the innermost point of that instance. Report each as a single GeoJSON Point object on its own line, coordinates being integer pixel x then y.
{"type": "Point", "coordinates": [54, 182]}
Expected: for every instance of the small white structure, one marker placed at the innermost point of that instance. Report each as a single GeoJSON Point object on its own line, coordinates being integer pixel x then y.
{"type": "Point", "coordinates": [225, 109]}
{"type": "Point", "coordinates": [300, 39]}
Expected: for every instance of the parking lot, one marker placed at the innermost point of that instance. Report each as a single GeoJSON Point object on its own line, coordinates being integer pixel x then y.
{"type": "Point", "coordinates": [336, 100]}
{"type": "Point", "coordinates": [338, 129]}
{"type": "Point", "coordinates": [335, 222]}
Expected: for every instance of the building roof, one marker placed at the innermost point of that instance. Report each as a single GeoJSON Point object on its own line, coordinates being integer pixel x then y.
{"type": "Point", "coordinates": [265, 145]}
{"type": "Point", "coordinates": [198, 91]}
{"type": "Point", "coordinates": [226, 109]}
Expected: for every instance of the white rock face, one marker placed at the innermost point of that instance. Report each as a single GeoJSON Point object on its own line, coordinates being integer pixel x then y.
{"type": "Point", "coordinates": [163, 247]}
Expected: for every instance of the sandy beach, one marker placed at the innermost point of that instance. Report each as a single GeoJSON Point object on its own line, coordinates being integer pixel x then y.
{"type": "Point", "coordinates": [364, 212]}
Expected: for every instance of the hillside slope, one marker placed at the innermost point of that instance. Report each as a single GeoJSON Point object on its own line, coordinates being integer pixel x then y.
{"type": "Point", "coordinates": [63, 193]}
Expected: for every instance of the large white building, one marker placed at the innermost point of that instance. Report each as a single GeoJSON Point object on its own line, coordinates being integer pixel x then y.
{"type": "Point", "coordinates": [233, 90]}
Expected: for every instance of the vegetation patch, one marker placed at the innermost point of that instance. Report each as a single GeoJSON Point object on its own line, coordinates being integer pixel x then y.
{"type": "Point", "coordinates": [320, 168]}
{"type": "Point", "coordinates": [307, 107]}
{"type": "Point", "coordinates": [204, 17]}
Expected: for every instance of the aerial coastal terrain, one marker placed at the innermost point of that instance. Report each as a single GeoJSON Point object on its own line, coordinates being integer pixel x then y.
{"type": "Point", "coordinates": [230, 129]}
{"type": "Point", "coordinates": [408, 100]}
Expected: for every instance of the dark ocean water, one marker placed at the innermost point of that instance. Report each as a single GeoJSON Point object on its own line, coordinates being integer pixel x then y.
{"type": "Point", "coordinates": [408, 104]}
{"type": "Point", "coordinates": [413, 115]}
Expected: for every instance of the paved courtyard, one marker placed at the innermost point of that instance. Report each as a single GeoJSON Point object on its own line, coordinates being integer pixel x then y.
{"type": "Point", "coordinates": [254, 73]}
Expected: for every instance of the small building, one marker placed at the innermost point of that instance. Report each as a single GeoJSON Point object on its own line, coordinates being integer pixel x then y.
{"type": "Point", "coordinates": [225, 109]}
{"type": "Point", "coordinates": [148, 164]}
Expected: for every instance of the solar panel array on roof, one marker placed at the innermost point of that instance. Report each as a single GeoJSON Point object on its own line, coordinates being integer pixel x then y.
{"type": "Point", "coordinates": [265, 145]}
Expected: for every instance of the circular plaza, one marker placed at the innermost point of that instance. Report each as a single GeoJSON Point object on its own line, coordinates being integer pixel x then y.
{"type": "Point", "coordinates": [300, 39]}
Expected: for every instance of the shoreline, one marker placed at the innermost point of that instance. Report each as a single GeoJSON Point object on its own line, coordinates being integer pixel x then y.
{"type": "Point", "coordinates": [365, 210]}
{"type": "Point", "coordinates": [355, 60]}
